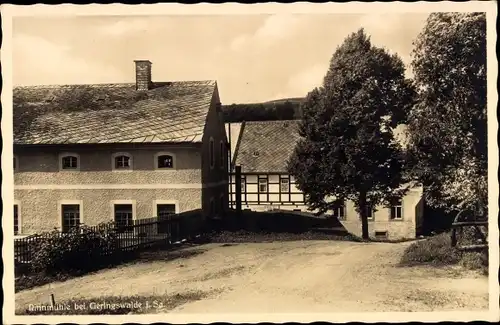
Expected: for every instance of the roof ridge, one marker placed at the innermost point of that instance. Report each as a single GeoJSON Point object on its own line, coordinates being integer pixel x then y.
{"type": "Point", "coordinates": [108, 84]}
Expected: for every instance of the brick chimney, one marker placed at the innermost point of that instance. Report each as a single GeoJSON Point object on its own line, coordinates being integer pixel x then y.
{"type": "Point", "coordinates": [142, 74]}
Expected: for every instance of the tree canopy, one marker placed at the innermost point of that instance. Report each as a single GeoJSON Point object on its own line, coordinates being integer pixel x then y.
{"type": "Point", "coordinates": [447, 127]}
{"type": "Point", "coordinates": [280, 110]}
{"type": "Point", "coordinates": [348, 150]}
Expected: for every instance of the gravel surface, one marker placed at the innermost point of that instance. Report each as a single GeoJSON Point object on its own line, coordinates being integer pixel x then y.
{"type": "Point", "coordinates": [286, 276]}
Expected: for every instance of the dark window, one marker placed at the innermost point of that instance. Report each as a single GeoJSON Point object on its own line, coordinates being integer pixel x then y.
{"type": "Point", "coordinates": [69, 162]}
{"type": "Point", "coordinates": [165, 161]}
{"type": "Point", "coordinates": [123, 217]}
{"type": "Point", "coordinates": [397, 210]}
{"type": "Point", "coordinates": [212, 208]}
{"type": "Point", "coordinates": [262, 185]}
{"type": "Point", "coordinates": [15, 163]}
{"type": "Point", "coordinates": [243, 187]}
{"type": "Point", "coordinates": [70, 216]}
{"type": "Point", "coordinates": [339, 209]}
{"type": "Point", "coordinates": [381, 234]}
{"type": "Point", "coordinates": [122, 162]}
{"type": "Point", "coordinates": [164, 213]}
{"type": "Point", "coordinates": [212, 153]}
{"type": "Point", "coordinates": [285, 185]}
{"type": "Point", "coordinates": [222, 203]}
{"type": "Point", "coordinates": [369, 210]}
{"type": "Point", "coordinates": [165, 210]}
{"type": "Point", "coordinates": [16, 220]}
{"type": "Point", "coordinates": [222, 154]}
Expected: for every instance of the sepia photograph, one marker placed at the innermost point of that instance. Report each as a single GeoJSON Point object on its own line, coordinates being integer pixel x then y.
{"type": "Point", "coordinates": [243, 162]}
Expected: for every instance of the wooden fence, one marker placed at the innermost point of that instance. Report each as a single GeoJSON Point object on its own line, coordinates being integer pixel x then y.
{"type": "Point", "coordinates": [139, 234]}
{"type": "Point", "coordinates": [457, 232]}
{"type": "Point", "coordinates": [465, 220]}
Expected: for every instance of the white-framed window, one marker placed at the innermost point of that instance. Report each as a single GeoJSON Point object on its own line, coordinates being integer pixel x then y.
{"type": "Point", "coordinates": [263, 185]}
{"type": "Point", "coordinates": [70, 214]}
{"type": "Point", "coordinates": [370, 213]}
{"type": "Point", "coordinates": [121, 161]}
{"type": "Point", "coordinates": [284, 185]}
{"type": "Point", "coordinates": [339, 209]}
{"type": "Point", "coordinates": [16, 163]}
{"type": "Point", "coordinates": [17, 218]}
{"type": "Point", "coordinates": [69, 161]}
{"type": "Point", "coordinates": [124, 214]}
{"type": "Point", "coordinates": [165, 161]}
{"type": "Point", "coordinates": [211, 151]}
{"type": "Point", "coordinates": [222, 154]}
{"type": "Point", "coordinates": [164, 210]}
{"type": "Point", "coordinates": [396, 210]}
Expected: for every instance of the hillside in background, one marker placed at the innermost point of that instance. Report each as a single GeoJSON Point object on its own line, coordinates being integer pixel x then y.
{"type": "Point", "coordinates": [281, 109]}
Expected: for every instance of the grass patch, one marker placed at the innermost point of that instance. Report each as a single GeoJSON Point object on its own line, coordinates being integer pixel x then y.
{"type": "Point", "coordinates": [115, 305]}
{"type": "Point", "coordinates": [475, 261]}
{"type": "Point", "coordinates": [438, 251]}
{"type": "Point", "coordinates": [32, 280]}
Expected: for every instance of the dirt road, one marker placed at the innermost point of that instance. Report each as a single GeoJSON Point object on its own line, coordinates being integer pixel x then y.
{"type": "Point", "coordinates": [302, 276]}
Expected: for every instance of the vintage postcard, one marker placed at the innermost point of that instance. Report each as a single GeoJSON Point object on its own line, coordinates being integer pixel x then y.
{"type": "Point", "coordinates": [250, 163]}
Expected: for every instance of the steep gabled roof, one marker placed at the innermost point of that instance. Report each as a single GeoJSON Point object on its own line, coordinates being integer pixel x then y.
{"type": "Point", "coordinates": [266, 146]}
{"type": "Point", "coordinates": [111, 113]}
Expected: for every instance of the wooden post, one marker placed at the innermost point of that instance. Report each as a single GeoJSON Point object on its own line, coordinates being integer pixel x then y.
{"type": "Point", "coordinates": [454, 237]}
{"type": "Point", "coordinates": [237, 180]}
{"type": "Point", "coordinates": [230, 164]}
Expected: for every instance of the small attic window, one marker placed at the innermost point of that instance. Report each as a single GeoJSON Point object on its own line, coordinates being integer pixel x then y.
{"type": "Point", "coordinates": [285, 124]}
{"type": "Point", "coordinates": [255, 153]}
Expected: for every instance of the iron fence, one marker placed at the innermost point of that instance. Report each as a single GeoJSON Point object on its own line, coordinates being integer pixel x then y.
{"type": "Point", "coordinates": [137, 234]}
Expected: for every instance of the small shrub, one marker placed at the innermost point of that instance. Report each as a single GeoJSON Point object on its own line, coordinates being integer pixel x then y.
{"type": "Point", "coordinates": [81, 249]}
{"type": "Point", "coordinates": [475, 261]}
{"type": "Point", "coordinates": [436, 250]}
{"type": "Point", "coordinates": [470, 235]}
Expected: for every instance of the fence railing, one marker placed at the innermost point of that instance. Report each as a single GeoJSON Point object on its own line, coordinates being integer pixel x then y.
{"type": "Point", "coordinates": [480, 229]}
{"type": "Point", "coordinates": [467, 226]}
{"type": "Point", "coordinates": [136, 234]}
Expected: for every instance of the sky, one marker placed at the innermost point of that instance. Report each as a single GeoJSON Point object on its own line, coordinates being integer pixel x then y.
{"type": "Point", "coordinates": [254, 58]}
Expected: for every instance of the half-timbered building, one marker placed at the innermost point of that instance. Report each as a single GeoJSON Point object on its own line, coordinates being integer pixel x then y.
{"type": "Point", "coordinates": [262, 150]}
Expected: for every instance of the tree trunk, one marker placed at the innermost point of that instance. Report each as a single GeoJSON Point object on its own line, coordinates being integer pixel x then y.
{"type": "Point", "coordinates": [364, 217]}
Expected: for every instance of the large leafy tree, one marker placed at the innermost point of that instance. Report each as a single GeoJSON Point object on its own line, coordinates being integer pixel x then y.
{"type": "Point", "coordinates": [348, 150]}
{"type": "Point", "coordinates": [447, 128]}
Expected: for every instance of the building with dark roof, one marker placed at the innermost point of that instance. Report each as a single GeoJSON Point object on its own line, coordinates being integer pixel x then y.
{"type": "Point", "coordinates": [103, 152]}
{"type": "Point", "coordinates": [262, 150]}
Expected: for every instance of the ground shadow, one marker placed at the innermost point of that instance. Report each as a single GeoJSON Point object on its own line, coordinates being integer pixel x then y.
{"type": "Point", "coordinates": [27, 280]}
